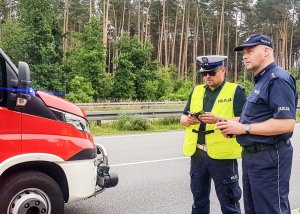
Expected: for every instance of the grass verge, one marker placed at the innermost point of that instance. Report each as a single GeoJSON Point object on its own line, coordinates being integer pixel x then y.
{"type": "Point", "coordinates": [157, 125]}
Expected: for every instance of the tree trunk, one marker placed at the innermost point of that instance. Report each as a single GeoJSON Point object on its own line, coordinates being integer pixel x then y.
{"type": "Point", "coordinates": [203, 36]}
{"type": "Point", "coordinates": [283, 42]}
{"type": "Point", "coordinates": [65, 29]}
{"type": "Point", "coordinates": [90, 12]}
{"type": "Point", "coordinates": [139, 21]}
{"type": "Point", "coordinates": [128, 24]}
{"type": "Point", "coordinates": [181, 40]}
{"type": "Point", "coordinates": [123, 18]}
{"type": "Point", "coordinates": [211, 39]}
{"type": "Point", "coordinates": [227, 64]}
{"type": "Point", "coordinates": [174, 38]}
{"type": "Point", "coordinates": [162, 33]}
{"type": "Point", "coordinates": [165, 33]}
{"type": "Point", "coordinates": [116, 25]}
{"type": "Point", "coordinates": [195, 47]}
{"type": "Point", "coordinates": [112, 37]}
{"type": "Point", "coordinates": [223, 32]}
{"type": "Point", "coordinates": [159, 46]}
{"type": "Point", "coordinates": [147, 30]}
{"type": "Point", "coordinates": [292, 37]}
{"type": "Point", "coordinates": [286, 44]}
{"type": "Point", "coordinates": [116, 33]}
{"type": "Point", "coordinates": [217, 37]}
{"type": "Point", "coordinates": [105, 20]}
{"type": "Point", "coordinates": [142, 28]}
{"type": "Point", "coordinates": [220, 49]}
{"type": "Point", "coordinates": [185, 58]}
{"type": "Point", "coordinates": [10, 5]}
{"type": "Point", "coordinates": [236, 53]}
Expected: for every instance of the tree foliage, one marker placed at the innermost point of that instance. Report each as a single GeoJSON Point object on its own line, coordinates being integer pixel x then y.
{"type": "Point", "coordinates": [87, 59]}
{"type": "Point", "coordinates": [81, 91]}
{"type": "Point", "coordinates": [135, 68]}
{"type": "Point", "coordinates": [13, 40]}
{"type": "Point", "coordinates": [161, 86]}
{"type": "Point", "coordinates": [33, 36]}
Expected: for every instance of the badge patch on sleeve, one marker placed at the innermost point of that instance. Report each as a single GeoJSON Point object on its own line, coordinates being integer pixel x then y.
{"type": "Point", "coordinates": [283, 108]}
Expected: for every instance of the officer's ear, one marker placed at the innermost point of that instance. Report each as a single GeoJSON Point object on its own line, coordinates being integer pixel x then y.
{"type": "Point", "coordinates": [267, 51]}
{"type": "Point", "coordinates": [223, 69]}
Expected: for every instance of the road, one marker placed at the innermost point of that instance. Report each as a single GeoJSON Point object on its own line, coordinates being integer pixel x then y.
{"type": "Point", "coordinates": [154, 179]}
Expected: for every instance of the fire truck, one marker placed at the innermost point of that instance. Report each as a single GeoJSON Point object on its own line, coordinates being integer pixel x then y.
{"type": "Point", "coordinates": [47, 154]}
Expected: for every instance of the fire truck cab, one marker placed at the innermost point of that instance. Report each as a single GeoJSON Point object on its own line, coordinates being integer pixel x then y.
{"type": "Point", "coordinates": [47, 154]}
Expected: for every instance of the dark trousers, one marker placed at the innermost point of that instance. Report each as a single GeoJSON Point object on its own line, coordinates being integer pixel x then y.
{"type": "Point", "coordinates": [266, 177]}
{"type": "Point", "coordinates": [224, 173]}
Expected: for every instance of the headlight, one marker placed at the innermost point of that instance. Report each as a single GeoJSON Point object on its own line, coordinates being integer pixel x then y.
{"type": "Point", "coordinates": [79, 122]}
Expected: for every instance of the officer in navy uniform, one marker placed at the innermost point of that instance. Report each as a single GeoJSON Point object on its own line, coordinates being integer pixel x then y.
{"type": "Point", "coordinates": [264, 130]}
{"type": "Point", "coordinates": [213, 157]}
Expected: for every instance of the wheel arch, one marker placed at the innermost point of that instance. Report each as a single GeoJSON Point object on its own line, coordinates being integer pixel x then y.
{"type": "Point", "coordinates": [49, 168]}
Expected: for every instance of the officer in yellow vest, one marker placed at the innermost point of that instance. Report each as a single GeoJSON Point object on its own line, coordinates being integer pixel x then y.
{"type": "Point", "coordinates": [213, 157]}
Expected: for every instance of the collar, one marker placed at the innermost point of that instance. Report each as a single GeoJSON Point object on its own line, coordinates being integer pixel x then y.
{"type": "Point", "coordinates": [258, 76]}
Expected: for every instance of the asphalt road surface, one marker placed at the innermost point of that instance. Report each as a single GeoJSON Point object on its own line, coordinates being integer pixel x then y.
{"type": "Point", "coordinates": [154, 177]}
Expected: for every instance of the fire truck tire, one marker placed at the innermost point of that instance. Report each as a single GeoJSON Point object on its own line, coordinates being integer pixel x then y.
{"type": "Point", "coordinates": [30, 192]}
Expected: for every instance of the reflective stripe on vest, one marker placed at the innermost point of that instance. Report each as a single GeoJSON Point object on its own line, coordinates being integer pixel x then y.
{"type": "Point", "coordinates": [218, 146]}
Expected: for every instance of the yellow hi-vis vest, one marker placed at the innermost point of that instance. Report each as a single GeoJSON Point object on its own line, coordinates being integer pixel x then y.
{"type": "Point", "coordinates": [218, 147]}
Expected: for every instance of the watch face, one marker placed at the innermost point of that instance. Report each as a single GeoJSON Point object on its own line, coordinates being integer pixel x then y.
{"type": "Point", "coordinates": [247, 128]}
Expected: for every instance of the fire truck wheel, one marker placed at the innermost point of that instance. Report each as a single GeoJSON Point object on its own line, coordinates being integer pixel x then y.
{"type": "Point", "coordinates": [30, 192]}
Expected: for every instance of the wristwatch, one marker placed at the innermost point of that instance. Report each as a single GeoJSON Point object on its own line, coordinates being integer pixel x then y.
{"type": "Point", "coordinates": [247, 128]}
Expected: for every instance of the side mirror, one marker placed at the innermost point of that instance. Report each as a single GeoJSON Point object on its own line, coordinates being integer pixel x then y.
{"type": "Point", "coordinates": [24, 84]}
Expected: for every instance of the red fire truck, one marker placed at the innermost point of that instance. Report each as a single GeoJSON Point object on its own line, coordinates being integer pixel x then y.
{"type": "Point", "coordinates": [47, 154]}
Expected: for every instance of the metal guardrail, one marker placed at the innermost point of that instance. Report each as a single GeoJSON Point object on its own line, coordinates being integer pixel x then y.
{"type": "Point", "coordinates": [131, 105]}
{"type": "Point", "coordinates": [149, 113]}
{"type": "Point", "coordinates": [108, 104]}
{"type": "Point", "coordinates": [111, 111]}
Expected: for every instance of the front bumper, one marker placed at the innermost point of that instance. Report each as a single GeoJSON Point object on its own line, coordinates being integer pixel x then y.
{"type": "Point", "coordinates": [105, 178]}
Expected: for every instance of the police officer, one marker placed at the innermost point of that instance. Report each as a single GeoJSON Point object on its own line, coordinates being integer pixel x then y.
{"type": "Point", "coordinates": [266, 125]}
{"type": "Point", "coordinates": [213, 157]}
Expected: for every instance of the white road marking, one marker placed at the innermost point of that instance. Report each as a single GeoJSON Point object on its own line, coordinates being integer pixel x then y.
{"type": "Point", "coordinates": [152, 161]}
{"type": "Point", "coordinates": [138, 135]}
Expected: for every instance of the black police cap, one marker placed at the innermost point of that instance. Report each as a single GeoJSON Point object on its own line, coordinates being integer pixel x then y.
{"type": "Point", "coordinates": [254, 40]}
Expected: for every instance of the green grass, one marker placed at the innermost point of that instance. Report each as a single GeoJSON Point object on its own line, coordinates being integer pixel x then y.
{"type": "Point", "coordinates": [158, 125]}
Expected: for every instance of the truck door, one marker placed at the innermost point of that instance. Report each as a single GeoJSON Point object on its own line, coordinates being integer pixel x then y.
{"type": "Point", "coordinates": [10, 118]}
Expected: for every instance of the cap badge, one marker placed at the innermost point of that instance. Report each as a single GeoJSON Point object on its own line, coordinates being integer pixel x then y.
{"type": "Point", "coordinates": [205, 60]}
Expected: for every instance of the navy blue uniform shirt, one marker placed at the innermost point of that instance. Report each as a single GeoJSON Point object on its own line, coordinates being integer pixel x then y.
{"type": "Point", "coordinates": [274, 95]}
{"type": "Point", "coordinates": [209, 101]}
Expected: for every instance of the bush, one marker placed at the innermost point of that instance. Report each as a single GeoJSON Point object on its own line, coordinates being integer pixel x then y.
{"type": "Point", "coordinates": [295, 72]}
{"type": "Point", "coordinates": [298, 86]}
{"type": "Point", "coordinates": [248, 85]}
{"type": "Point", "coordinates": [182, 89]}
{"type": "Point", "coordinates": [132, 123]}
{"type": "Point", "coordinates": [81, 91]}
{"type": "Point", "coordinates": [168, 121]}
{"type": "Point", "coordinates": [161, 84]}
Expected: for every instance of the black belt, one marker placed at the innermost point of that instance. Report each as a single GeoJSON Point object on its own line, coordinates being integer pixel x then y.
{"type": "Point", "coordinates": [203, 132]}
{"type": "Point", "coordinates": [259, 147]}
